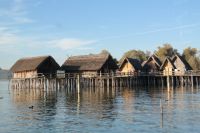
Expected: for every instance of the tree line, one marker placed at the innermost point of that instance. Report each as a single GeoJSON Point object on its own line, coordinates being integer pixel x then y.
{"type": "Point", "coordinates": [191, 55]}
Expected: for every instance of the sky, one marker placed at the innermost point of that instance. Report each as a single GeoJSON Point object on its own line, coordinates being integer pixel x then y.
{"type": "Point", "coordinates": [64, 28]}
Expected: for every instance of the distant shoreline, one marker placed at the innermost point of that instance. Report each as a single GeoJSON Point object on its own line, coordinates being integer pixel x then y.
{"type": "Point", "coordinates": [4, 80]}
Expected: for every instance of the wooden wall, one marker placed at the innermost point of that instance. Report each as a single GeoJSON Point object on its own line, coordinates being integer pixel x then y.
{"type": "Point", "coordinates": [180, 67]}
{"type": "Point", "coordinates": [25, 74]}
{"type": "Point", "coordinates": [179, 64]}
{"type": "Point", "coordinates": [168, 69]}
{"type": "Point", "coordinates": [89, 73]}
{"type": "Point", "coordinates": [48, 67]}
{"type": "Point", "coordinates": [151, 66]}
{"type": "Point", "coordinates": [127, 67]}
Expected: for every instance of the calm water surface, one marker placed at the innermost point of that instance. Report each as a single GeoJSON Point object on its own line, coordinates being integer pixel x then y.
{"type": "Point", "coordinates": [122, 110]}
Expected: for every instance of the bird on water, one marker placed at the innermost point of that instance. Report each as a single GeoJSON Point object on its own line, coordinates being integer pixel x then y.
{"type": "Point", "coordinates": [31, 107]}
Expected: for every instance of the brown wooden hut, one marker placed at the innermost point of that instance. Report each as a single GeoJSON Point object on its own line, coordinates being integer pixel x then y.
{"type": "Point", "coordinates": [181, 65]}
{"type": "Point", "coordinates": [35, 66]}
{"type": "Point", "coordinates": [152, 64]}
{"type": "Point", "coordinates": [130, 66]}
{"type": "Point", "coordinates": [90, 65]}
{"type": "Point", "coordinates": [167, 67]}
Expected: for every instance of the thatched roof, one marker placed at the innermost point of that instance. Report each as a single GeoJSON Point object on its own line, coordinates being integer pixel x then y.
{"type": "Point", "coordinates": [28, 64]}
{"type": "Point", "coordinates": [92, 62]}
{"type": "Point", "coordinates": [134, 62]}
{"type": "Point", "coordinates": [167, 60]}
{"type": "Point", "coordinates": [154, 58]}
{"type": "Point", "coordinates": [183, 61]}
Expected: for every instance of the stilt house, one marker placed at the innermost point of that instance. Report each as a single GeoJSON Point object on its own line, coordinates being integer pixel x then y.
{"type": "Point", "coordinates": [90, 65]}
{"type": "Point", "coordinates": [34, 67]}
{"type": "Point", "coordinates": [181, 65]}
{"type": "Point", "coordinates": [168, 67]}
{"type": "Point", "coordinates": [130, 66]}
{"type": "Point", "coordinates": [152, 64]}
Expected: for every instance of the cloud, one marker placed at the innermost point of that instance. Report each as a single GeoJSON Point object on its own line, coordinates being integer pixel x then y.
{"type": "Point", "coordinates": [8, 39]}
{"type": "Point", "coordinates": [8, 36]}
{"type": "Point", "coordinates": [12, 16]}
{"type": "Point", "coordinates": [179, 2]}
{"type": "Point", "coordinates": [169, 29]}
{"type": "Point", "coordinates": [71, 43]}
{"type": "Point", "coordinates": [85, 48]}
{"type": "Point", "coordinates": [179, 28]}
{"type": "Point", "coordinates": [16, 13]}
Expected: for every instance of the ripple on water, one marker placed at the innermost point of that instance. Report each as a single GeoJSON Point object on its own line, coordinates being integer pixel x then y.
{"type": "Point", "coordinates": [130, 110]}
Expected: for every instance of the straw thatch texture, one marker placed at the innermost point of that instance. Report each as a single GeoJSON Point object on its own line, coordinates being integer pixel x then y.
{"type": "Point", "coordinates": [92, 62]}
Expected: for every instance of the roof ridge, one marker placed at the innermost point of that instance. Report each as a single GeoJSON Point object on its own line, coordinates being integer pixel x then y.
{"type": "Point", "coordinates": [167, 58]}
{"type": "Point", "coordinates": [89, 56]}
{"type": "Point", "coordinates": [153, 57]}
{"type": "Point", "coordinates": [154, 54]}
{"type": "Point", "coordinates": [183, 60]}
{"type": "Point", "coordinates": [33, 57]}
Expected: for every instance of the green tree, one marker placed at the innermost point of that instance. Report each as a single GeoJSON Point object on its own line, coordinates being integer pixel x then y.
{"type": "Point", "coordinates": [165, 50]}
{"type": "Point", "coordinates": [137, 54]}
{"type": "Point", "coordinates": [191, 55]}
{"type": "Point", "coordinates": [194, 63]}
{"type": "Point", "coordinates": [189, 52]}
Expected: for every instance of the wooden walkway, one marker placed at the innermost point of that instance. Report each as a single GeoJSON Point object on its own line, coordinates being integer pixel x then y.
{"type": "Point", "coordinates": [77, 81]}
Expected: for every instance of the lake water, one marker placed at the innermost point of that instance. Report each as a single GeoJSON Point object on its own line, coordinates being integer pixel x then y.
{"type": "Point", "coordinates": [98, 110]}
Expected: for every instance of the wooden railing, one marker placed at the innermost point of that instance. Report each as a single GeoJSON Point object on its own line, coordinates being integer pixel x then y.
{"type": "Point", "coordinates": [155, 73]}
{"type": "Point", "coordinates": [118, 74]}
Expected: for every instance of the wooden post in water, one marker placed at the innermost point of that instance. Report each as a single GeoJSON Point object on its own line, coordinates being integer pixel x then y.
{"type": "Point", "coordinates": [44, 84]}
{"type": "Point", "coordinates": [192, 82]}
{"type": "Point", "coordinates": [168, 84]}
{"type": "Point", "coordinates": [161, 107]}
{"type": "Point", "coordinates": [162, 81]}
{"type": "Point", "coordinates": [107, 81]}
{"type": "Point", "coordinates": [78, 83]}
{"type": "Point", "coordinates": [182, 80]}
{"type": "Point", "coordinates": [161, 112]}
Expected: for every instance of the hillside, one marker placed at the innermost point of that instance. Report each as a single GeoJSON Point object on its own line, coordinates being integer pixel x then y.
{"type": "Point", "coordinates": [5, 74]}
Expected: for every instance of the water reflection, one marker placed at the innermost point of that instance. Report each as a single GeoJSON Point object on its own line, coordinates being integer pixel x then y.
{"type": "Point", "coordinates": [103, 110]}
{"type": "Point", "coordinates": [94, 103]}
